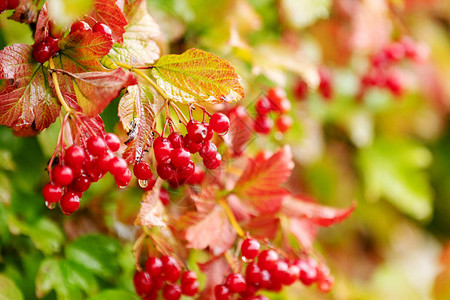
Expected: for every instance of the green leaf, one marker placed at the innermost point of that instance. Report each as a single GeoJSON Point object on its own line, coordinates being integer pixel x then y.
{"type": "Point", "coordinates": [196, 76]}
{"type": "Point", "coordinates": [8, 290]}
{"type": "Point", "coordinates": [392, 169]}
{"type": "Point", "coordinates": [302, 13]}
{"type": "Point", "coordinates": [97, 253]}
{"type": "Point", "coordinates": [115, 294]}
{"type": "Point", "coordinates": [5, 189]}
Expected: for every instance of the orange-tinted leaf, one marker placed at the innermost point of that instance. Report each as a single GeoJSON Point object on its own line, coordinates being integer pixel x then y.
{"type": "Point", "coordinates": [152, 211]}
{"type": "Point", "coordinates": [91, 124]}
{"type": "Point", "coordinates": [28, 100]}
{"type": "Point", "coordinates": [215, 271]}
{"type": "Point", "coordinates": [300, 207]}
{"type": "Point", "coordinates": [263, 226]}
{"type": "Point", "coordinates": [136, 112]}
{"type": "Point", "coordinates": [26, 12]}
{"type": "Point", "coordinates": [107, 12]}
{"type": "Point", "coordinates": [42, 27]}
{"type": "Point", "coordinates": [304, 231]}
{"type": "Point", "coordinates": [139, 47]}
{"type": "Point", "coordinates": [241, 129]}
{"type": "Point", "coordinates": [197, 75]}
{"type": "Point", "coordinates": [259, 185]}
{"type": "Point", "coordinates": [95, 90]}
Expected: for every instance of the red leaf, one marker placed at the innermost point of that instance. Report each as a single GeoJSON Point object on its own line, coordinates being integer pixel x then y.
{"type": "Point", "coordinates": [259, 185]}
{"type": "Point", "coordinates": [321, 215]}
{"type": "Point", "coordinates": [136, 112]}
{"type": "Point", "coordinates": [215, 271]}
{"type": "Point", "coordinates": [26, 12]}
{"type": "Point", "coordinates": [42, 26]}
{"type": "Point", "coordinates": [152, 211]}
{"type": "Point", "coordinates": [91, 124]}
{"type": "Point", "coordinates": [263, 226]}
{"type": "Point", "coordinates": [107, 12]}
{"type": "Point", "coordinates": [95, 90]}
{"type": "Point", "coordinates": [28, 100]}
{"type": "Point", "coordinates": [304, 230]}
{"type": "Point", "coordinates": [240, 131]}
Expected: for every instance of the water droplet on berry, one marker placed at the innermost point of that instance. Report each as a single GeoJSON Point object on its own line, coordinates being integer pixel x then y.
{"type": "Point", "coordinates": [50, 205]}
{"type": "Point", "coordinates": [121, 187]}
{"type": "Point", "coordinates": [142, 183]}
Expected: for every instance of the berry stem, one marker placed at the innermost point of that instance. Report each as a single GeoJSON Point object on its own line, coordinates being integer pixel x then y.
{"type": "Point", "coordinates": [231, 261]}
{"type": "Point", "coordinates": [232, 218]}
{"type": "Point", "coordinates": [179, 113]}
{"type": "Point", "coordinates": [57, 88]}
{"type": "Point", "coordinates": [137, 248]}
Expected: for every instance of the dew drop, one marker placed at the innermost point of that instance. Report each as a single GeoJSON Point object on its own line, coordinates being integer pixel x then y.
{"type": "Point", "coordinates": [142, 183]}
{"type": "Point", "coordinates": [50, 205]}
{"type": "Point", "coordinates": [121, 186]}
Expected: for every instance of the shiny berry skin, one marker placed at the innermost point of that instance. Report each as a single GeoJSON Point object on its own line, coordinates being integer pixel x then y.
{"type": "Point", "coordinates": [236, 283]}
{"type": "Point", "coordinates": [175, 139]}
{"type": "Point", "coordinates": [190, 289]}
{"type": "Point", "coordinates": [102, 28]}
{"type": "Point", "coordinates": [74, 156]}
{"type": "Point", "coordinates": [213, 163]}
{"type": "Point", "coordinates": [172, 270]}
{"type": "Point", "coordinates": [253, 273]}
{"type": "Point", "coordinates": [162, 149]}
{"type": "Point", "coordinates": [53, 43]}
{"type": "Point", "coordinates": [81, 183]}
{"type": "Point", "coordinates": [164, 196]}
{"type": "Point", "coordinates": [180, 158]}
{"type": "Point", "coordinates": [325, 85]}
{"type": "Point", "coordinates": [188, 277]}
{"type": "Point", "coordinates": [165, 171]}
{"type": "Point", "coordinates": [280, 271]}
{"type": "Point", "coordinates": [112, 141]}
{"type": "Point", "coordinates": [104, 160]}
{"type": "Point", "coordinates": [142, 283]}
{"type": "Point", "coordinates": [308, 270]}
{"type": "Point", "coordinates": [263, 106]}
{"type": "Point", "coordinates": [301, 89]}
{"type": "Point", "coordinates": [3, 5]}
{"type": "Point", "coordinates": [221, 292]}
{"type": "Point", "coordinates": [284, 123]}
{"type": "Point", "coordinates": [209, 132]}
{"type": "Point", "coordinates": [278, 100]}
{"type": "Point", "coordinates": [42, 52]}
{"type": "Point", "coordinates": [220, 123]}
{"type": "Point", "coordinates": [62, 175]}
{"type": "Point", "coordinates": [117, 166]}
{"type": "Point", "coordinates": [266, 279]}
{"type": "Point", "coordinates": [208, 150]}
{"type": "Point", "coordinates": [267, 259]}
{"type": "Point", "coordinates": [70, 202]}
{"type": "Point", "coordinates": [196, 177]}
{"type": "Point", "coordinates": [12, 4]}
{"type": "Point", "coordinates": [123, 179]}
{"type": "Point", "coordinates": [142, 170]}
{"type": "Point", "coordinates": [197, 132]}
{"type": "Point", "coordinates": [190, 145]}
{"type": "Point", "coordinates": [96, 145]}
{"type": "Point", "coordinates": [171, 292]}
{"type": "Point", "coordinates": [293, 274]}
{"type": "Point", "coordinates": [80, 26]}
{"type": "Point", "coordinates": [52, 192]}
{"type": "Point", "coordinates": [250, 248]}
{"type": "Point", "coordinates": [154, 266]}
{"type": "Point", "coordinates": [263, 124]}
{"type": "Point", "coordinates": [93, 171]}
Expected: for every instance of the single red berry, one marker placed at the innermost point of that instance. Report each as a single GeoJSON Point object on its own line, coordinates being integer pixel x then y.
{"type": "Point", "coordinates": [196, 177]}
{"type": "Point", "coordinates": [171, 292]}
{"type": "Point", "coordinates": [300, 89]}
{"type": "Point", "coordinates": [154, 266]}
{"type": "Point", "coordinates": [284, 123]}
{"type": "Point", "coordinates": [213, 163]}
{"type": "Point", "coordinates": [122, 180]}
{"type": "Point", "coordinates": [278, 100]}
{"type": "Point", "coordinates": [190, 288]}
{"type": "Point", "coordinates": [152, 295]}
{"type": "Point", "coordinates": [104, 160]}
{"type": "Point", "coordinates": [221, 292]}
{"type": "Point", "coordinates": [280, 271]}
{"type": "Point", "coordinates": [162, 149]}
{"type": "Point", "coordinates": [250, 248]}
{"type": "Point", "coordinates": [220, 123]}
{"type": "Point", "coordinates": [147, 185]}
{"type": "Point", "coordinates": [80, 26]}
{"type": "Point", "coordinates": [42, 52]}
{"type": "Point", "coordinates": [102, 28]}
{"type": "Point", "coordinates": [308, 270]}
{"type": "Point", "coordinates": [263, 124]}
{"type": "Point", "coordinates": [96, 145]}
{"type": "Point", "coordinates": [158, 282]}
{"type": "Point", "coordinates": [180, 158]}
{"type": "Point", "coordinates": [62, 175]}
{"type": "Point", "coordinates": [171, 268]}
{"type": "Point", "coordinates": [267, 259]}
{"type": "Point", "coordinates": [165, 171]}
{"type": "Point", "coordinates": [236, 283]}
{"type": "Point", "coordinates": [394, 85]}
{"type": "Point", "coordinates": [164, 196]}
{"type": "Point", "coordinates": [112, 141]}
{"type": "Point", "coordinates": [249, 292]}
{"type": "Point", "coordinates": [266, 279]}
{"type": "Point", "coordinates": [175, 139]}
{"type": "Point", "coordinates": [70, 202]}
{"type": "Point", "coordinates": [74, 156]}
{"type": "Point", "coordinates": [325, 284]}
{"type": "Point", "coordinates": [263, 106]}
{"type": "Point", "coordinates": [275, 286]}
{"type": "Point", "coordinates": [395, 51]}
{"type": "Point", "coordinates": [117, 166]}
{"type": "Point", "coordinates": [325, 85]}
{"type": "Point", "coordinates": [142, 170]}
{"type": "Point", "coordinates": [209, 132]}
{"type": "Point", "coordinates": [12, 4]}
{"type": "Point", "coordinates": [93, 171]}
{"type": "Point", "coordinates": [253, 273]}
{"type": "Point", "coordinates": [3, 6]}
{"type": "Point", "coordinates": [197, 132]}
{"type": "Point", "coordinates": [208, 150]}
{"type": "Point", "coordinates": [142, 283]}
{"type": "Point", "coordinates": [53, 43]}
{"type": "Point", "coordinates": [81, 183]}
{"type": "Point", "coordinates": [293, 275]}
{"type": "Point", "coordinates": [188, 277]}
{"type": "Point", "coordinates": [190, 145]}
{"type": "Point", "coordinates": [52, 192]}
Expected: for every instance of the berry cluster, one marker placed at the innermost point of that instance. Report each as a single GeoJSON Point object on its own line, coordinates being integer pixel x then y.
{"type": "Point", "coordinates": [275, 101]}
{"type": "Point", "coordinates": [163, 274]}
{"type": "Point", "coordinates": [381, 72]}
{"type": "Point", "coordinates": [47, 48]}
{"type": "Point", "coordinates": [325, 87]}
{"type": "Point", "coordinates": [79, 167]}
{"type": "Point", "coordinates": [8, 5]}
{"type": "Point", "coordinates": [267, 271]}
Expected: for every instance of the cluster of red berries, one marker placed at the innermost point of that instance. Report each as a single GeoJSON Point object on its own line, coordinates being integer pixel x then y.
{"type": "Point", "coordinates": [381, 74]}
{"type": "Point", "coordinates": [325, 87]}
{"type": "Point", "coordinates": [173, 154]}
{"type": "Point", "coordinates": [48, 47]}
{"type": "Point", "coordinates": [8, 5]}
{"type": "Point", "coordinates": [277, 102]}
{"type": "Point", "coordinates": [79, 167]}
{"type": "Point", "coordinates": [267, 271]}
{"type": "Point", "coordinates": [163, 274]}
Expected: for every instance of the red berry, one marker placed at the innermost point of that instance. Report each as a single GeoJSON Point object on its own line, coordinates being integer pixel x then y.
{"type": "Point", "coordinates": [102, 28]}
{"type": "Point", "coordinates": [280, 271]}
{"type": "Point", "coordinates": [62, 175]}
{"type": "Point", "coordinates": [221, 292]}
{"type": "Point", "coordinates": [213, 163]}
{"type": "Point", "coordinates": [171, 268]}
{"type": "Point", "coordinates": [293, 275]}
{"type": "Point", "coordinates": [180, 158]}
{"type": "Point", "coordinates": [154, 266]}
{"type": "Point", "coordinates": [74, 156]}
{"type": "Point", "coordinates": [266, 280]}
{"type": "Point", "coordinates": [394, 85]}
{"type": "Point", "coordinates": [81, 183]}
{"type": "Point", "coordinates": [70, 202]}
{"type": "Point", "coordinates": [301, 89]}
{"type": "Point", "coordinates": [142, 170]}
{"type": "Point", "coordinates": [96, 145]}
{"type": "Point", "coordinates": [208, 150]}
{"type": "Point", "coordinates": [308, 270]}
{"type": "Point", "coordinates": [236, 283]}
{"type": "Point", "coordinates": [197, 132]}
{"type": "Point", "coordinates": [219, 123]}
{"type": "Point", "coordinates": [175, 139]}
{"type": "Point", "coordinates": [3, 5]}
{"type": "Point", "coordinates": [263, 106]}
{"type": "Point", "coordinates": [171, 292]}
{"type": "Point", "coordinates": [42, 52]}
{"type": "Point", "coordinates": [122, 180]}
{"type": "Point", "coordinates": [325, 85]}
{"type": "Point", "coordinates": [395, 51]}
{"type": "Point", "coordinates": [188, 277]}
{"type": "Point", "coordinates": [164, 196]}
{"type": "Point", "coordinates": [263, 124]}
{"type": "Point", "coordinates": [93, 171]}
{"type": "Point", "coordinates": [165, 171]}
{"type": "Point", "coordinates": [196, 177]}
{"type": "Point", "coordinates": [284, 123]}
{"type": "Point", "coordinates": [12, 4]}
{"type": "Point", "coordinates": [112, 141]}
{"type": "Point", "coordinates": [158, 282]}
{"type": "Point", "coordinates": [190, 145]}
{"type": "Point", "coordinates": [267, 259]}
{"type": "Point", "coordinates": [142, 283]}
{"type": "Point", "coordinates": [52, 192]}
{"type": "Point", "coordinates": [104, 160]}
{"type": "Point", "coordinates": [325, 284]}
{"type": "Point", "coordinates": [253, 273]}
{"type": "Point", "coordinates": [250, 248]}
{"type": "Point", "coordinates": [117, 166]}
{"type": "Point", "coordinates": [278, 100]}
{"type": "Point", "coordinates": [209, 132]}
{"type": "Point", "coordinates": [80, 26]}
{"type": "Point", "coordinates": [148, 184]}
{"type": "Point", "coordinates": [190, 289]}
{"type": "Point", "coordinates": [53, 43]}
{"type": "Point", "coordinates": [162, 149]}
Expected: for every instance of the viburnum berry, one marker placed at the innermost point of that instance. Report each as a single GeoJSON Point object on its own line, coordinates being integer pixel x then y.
{"type": "Point", "coordinates": [142, 283]}
{"type": "Point", "coordinates": [171, 268]}
{"type": "Point", "coordinates": [53, 43]}
{"type": "Point", "coordinates": [250, 248]}
{"type": "Point", "coordinates": [162, 149]}
{"type": "Point", "coordinates": [104, 160]}
{"type": "Point", "coordinates": [209, 132]}
{"type": "Point", "coordinates": [308, 270]}
{"type": "Point", "coordinates": [42, 52]}
{"type": "Point", "coordinates": [62, 175]}
{"type": "Point", "coordinates": [236, 283]}
{"type": "Point", "coordinates": [171, 292]}
{"type": "Point", "coordinates": [395, 51]}
{"type": "Point", "coordinates": [180, 158]}
{"type": "Point", "coordinates": [74, 156]}
{"type": "Point", "coordinates": [142, 170]}
{"type": "Point", "coordinates": [188, 277]}
{"type": "Point", "coordinates": [117, 166]}
{"type": "Point", "coordinates": [263, 124]}
{"type": "Point", "coordinates": [80, 26]}
{"type": "Point", "coordinates": [175, 139]}
{"type": "Point", "coordinates": [208, 150]}
{"type": "Point", "coordinates": [190, 289]}
{"type": "Point", "coordinates": [325, 85]}
{"type": "Point", "coordinates": [278, 100]}
{"type": "Point", "coordinates": [220, 123]}
{"type": "Point", "coordinates": [81, 183]}
{"type": "Point", "coordinates": [284, 123]}
{"type": "Point", "coordinates": [112, 141]}
{"type": "Point", "coordinates": [70, 202]}
{"type": "Point", "coordinates": [325, 284]}
{"type": "Point", "coordinates": [122, 180]}
{"type": "Point", "coordinates": [102, 28]}
{"type": "Point", "coordinates": [267, 259]}
{"type": "Point", "coordinates": [263, 106]}
{"type": "Point", "coordinates": [196, 177]}
{"type": "Point", "coordinates": [197, 132]}
{"type": "Point", "coordinates": [214, 162]}
{"type": "Point", "coordinates": [93, 171]}
{"type": "Point", "coordinates": [280, 271]}
{"type": "Point", "coordinates": [253, 273]}
{"type": "Point", "coordinates": [293, 274]}
{"type": "Point", "coordinates": [164, 196]}
{"type": "Point", "coordinates": [3, 6]}
{"type": "Point", "coordinates": [96, 145]}
{"type": "Point", "coordinates": [190, 145]}
{"type": "Point", "coordinates": [165, 171]}
{"type": "Point", "coordinates": [12, 4]}
{"type": "Point", "coordinates": [266, 279]}
{"type": "Point", "coordinates": [52, 192]}
{"type": "Point", "coordinates": [154, 266]}
{"type": "Point", "coordinates": [300, 89]}
{"type": "Point", "coordinates": [221, 292]}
